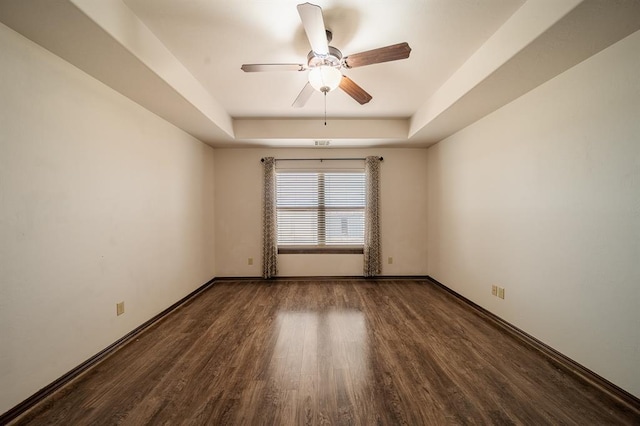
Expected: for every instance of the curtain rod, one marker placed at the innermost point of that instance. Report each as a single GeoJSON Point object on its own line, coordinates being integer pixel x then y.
{"type": "Point", "coordinates": [319, 159]}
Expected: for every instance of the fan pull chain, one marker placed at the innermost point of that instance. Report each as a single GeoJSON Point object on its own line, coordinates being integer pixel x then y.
{"type": "Point", "coordinates": [325, 108]}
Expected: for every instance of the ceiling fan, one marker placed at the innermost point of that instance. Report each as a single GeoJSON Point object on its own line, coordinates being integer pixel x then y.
{"type": "Point", "coordinates": [324, 62]}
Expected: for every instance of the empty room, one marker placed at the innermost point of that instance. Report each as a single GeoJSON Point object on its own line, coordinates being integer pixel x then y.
{"type": "Point", "coordinates": [339, 212]}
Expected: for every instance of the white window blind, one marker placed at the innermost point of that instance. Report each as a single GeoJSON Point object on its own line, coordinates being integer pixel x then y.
{"type": "Point", "coordinates": [320, 209]}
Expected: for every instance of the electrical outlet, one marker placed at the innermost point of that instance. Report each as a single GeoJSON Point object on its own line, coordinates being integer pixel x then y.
{"type": "Point", "coordinates": [501, 292]}
{"type": "Point", "coordinates": [494, 290]}
{"type": "Point", "coordinates": [120, 308]}
{"type": "Point", "coordinates": [390, 260]}
{"type": "Point", "coordinates": [250, 261]}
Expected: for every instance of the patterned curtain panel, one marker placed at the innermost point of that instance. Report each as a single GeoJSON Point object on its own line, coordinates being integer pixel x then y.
{"type": "Point", "coordinates": [372, 260]}
{"type": "Point", "coordinates": [269, 240]}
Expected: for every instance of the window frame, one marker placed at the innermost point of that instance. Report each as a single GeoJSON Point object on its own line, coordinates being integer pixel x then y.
{"type": "Point", "coordinates": [321, 208]}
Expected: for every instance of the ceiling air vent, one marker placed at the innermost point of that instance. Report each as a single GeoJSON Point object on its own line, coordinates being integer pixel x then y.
{"type": "Point", "coordinates": [322, 143]}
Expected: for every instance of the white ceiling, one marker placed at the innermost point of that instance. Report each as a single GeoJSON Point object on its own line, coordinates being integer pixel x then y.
{"type": "Point", "coordinates": [181, 60]}
{"type": "Point", "coordinates": [214, 38]}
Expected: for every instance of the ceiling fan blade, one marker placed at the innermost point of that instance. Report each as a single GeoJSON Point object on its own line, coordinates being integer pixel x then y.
{"type": "Point", "coordinates": [313, 23]}
{"type": "Point", "coordinates": [375, 56]}
{"type": "Point", "coordinates": [272, 67]}
{"type": "Point", "coordinates": [304, 96]}
{"type": "Point", "coordinates": [355, 91]}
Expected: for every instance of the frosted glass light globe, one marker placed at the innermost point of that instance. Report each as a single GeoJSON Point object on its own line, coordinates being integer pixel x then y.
{"type": "Point", "coordinates": [324, 78]}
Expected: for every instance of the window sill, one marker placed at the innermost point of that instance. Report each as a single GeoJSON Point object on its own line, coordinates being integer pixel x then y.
{"type": "Point", "coordinates": [320, 250]}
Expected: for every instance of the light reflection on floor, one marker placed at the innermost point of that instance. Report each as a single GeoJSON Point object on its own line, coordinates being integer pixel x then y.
{"type": "Point", "coordinates": [320, 350]}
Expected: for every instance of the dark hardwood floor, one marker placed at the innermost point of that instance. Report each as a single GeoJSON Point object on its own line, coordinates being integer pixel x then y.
{"type": "Point", "coordinates": [385, 352]}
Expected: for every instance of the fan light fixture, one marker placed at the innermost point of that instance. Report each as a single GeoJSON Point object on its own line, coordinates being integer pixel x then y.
{"type": "Point", "coordinates": [324, 62]}
{"type": "Point", "coordinates": [325, 78]}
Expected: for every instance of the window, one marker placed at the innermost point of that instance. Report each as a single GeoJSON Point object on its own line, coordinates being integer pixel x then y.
{"type": "Point", "coordinates": [320, 211]}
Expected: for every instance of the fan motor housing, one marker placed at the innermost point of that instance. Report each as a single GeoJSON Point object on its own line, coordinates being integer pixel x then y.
{"type": "Point", "coordinates": [333, 59]}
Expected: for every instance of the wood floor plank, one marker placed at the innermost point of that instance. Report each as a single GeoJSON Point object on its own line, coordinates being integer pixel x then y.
{"type": "Point", "coordinates": [322, 352]}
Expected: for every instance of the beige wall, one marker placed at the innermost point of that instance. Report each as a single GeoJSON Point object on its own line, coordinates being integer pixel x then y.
{"type": "Point", "coordinates": [542, 197]}
{"type": "Point", "coordinates": [100, 202]}
{"type": "Point", "coordinates": [238, 214]}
